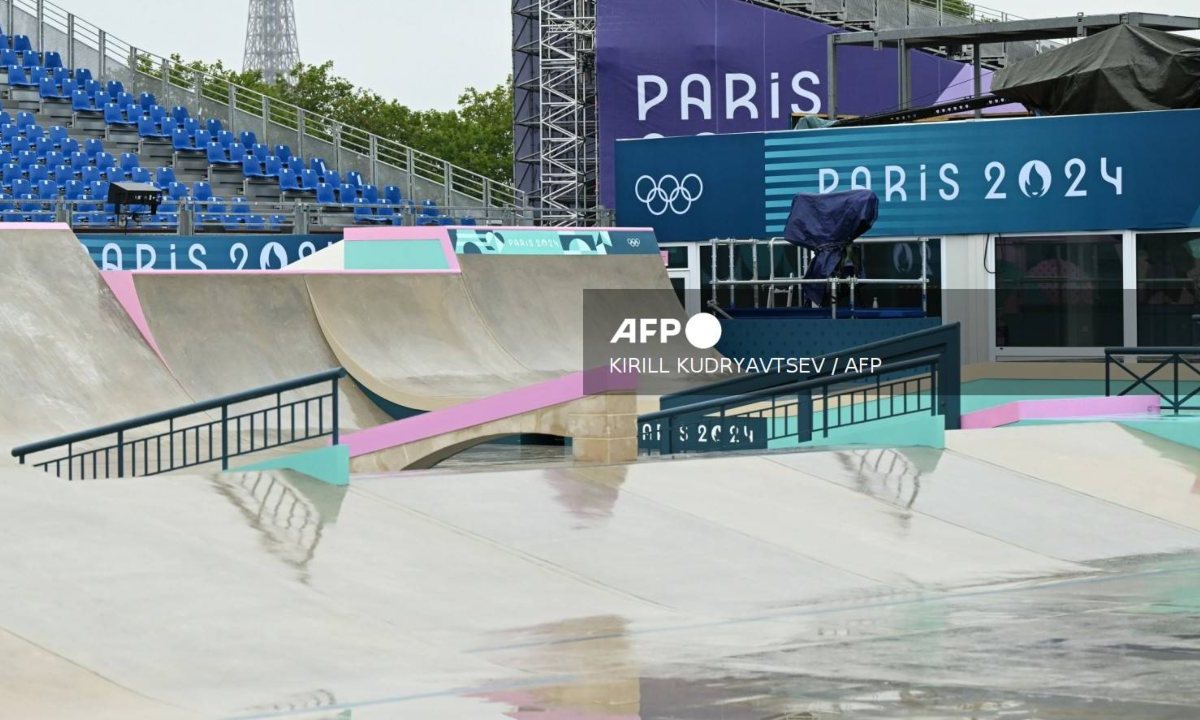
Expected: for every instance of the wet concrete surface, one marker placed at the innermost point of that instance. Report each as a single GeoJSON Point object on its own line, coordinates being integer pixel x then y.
{"type": "Point", "coordinates": [836, 584]}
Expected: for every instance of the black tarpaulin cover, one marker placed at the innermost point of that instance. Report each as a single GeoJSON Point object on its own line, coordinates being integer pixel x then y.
{"type": "Point", "coordinates": [827, 224]}
{"type": "Point", "coordinates": [1121, 69]}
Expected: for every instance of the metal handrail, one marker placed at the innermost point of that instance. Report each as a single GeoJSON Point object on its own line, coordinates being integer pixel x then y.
{"type": "Point", "coordinates": [237, 98]}
{"type": "Point", "coordinates": [1173, 355]}
{"type": "Point", "coordinates": [222, 403]}
{"type": "Point", "coordinates": [788, 388]}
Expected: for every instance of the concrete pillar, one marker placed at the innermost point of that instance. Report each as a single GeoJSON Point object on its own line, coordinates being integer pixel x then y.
{"type": "Point", "coordinates": [603, 428]}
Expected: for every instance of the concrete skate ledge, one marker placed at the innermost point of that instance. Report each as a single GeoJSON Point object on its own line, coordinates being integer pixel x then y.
{"type": "Point", "coordinates": [1061, 408]}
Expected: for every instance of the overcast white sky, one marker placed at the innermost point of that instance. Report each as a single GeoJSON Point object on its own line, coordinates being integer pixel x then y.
{"type": "Point", "coordinates": [421, 52]}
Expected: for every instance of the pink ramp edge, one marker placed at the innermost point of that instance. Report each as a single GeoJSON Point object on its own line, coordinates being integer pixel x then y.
{"type": "Point", "coordinates": [1061, 409]}
{"type": "Point", "coordinates": [122, 286]}
{"type": "Point", "coordinates": [477, 412]}
{"type": "Point", "coordinates": [352, 234]}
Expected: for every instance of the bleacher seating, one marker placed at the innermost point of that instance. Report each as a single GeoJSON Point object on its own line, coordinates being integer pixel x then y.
{"type": "Point", "coordinates": [59, 154]}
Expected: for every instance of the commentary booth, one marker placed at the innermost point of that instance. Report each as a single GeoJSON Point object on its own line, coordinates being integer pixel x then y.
{"type": "Point", "coordinates": [1047, 237]}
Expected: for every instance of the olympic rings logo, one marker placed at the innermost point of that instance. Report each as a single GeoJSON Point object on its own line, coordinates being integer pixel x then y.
{"type": "Point", "coordinates": [668, 193]}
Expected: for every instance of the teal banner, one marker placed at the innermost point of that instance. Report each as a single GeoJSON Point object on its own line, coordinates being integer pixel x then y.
{"type": "Point", "coordinates": [552, 241]}
{"type": "Point", "coordinates": [112, 251]}
{"type": "Point", "coordinates": [1054, 174]}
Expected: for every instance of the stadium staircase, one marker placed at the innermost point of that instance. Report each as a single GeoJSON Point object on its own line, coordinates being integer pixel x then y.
{"type": "Point", "coordinates": [82, 109]}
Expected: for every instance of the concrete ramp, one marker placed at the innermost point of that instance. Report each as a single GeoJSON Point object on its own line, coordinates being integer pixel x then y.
{"type": "Point", "coordinates": [223, 332]}
{"type": "Point", "coordinates": [70, 356]}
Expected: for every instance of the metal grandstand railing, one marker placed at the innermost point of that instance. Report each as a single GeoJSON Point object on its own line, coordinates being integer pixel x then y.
{"type": "Point", "coordinates": [381, 160]}
{"type": "Point", "coordinates": [892, 14]}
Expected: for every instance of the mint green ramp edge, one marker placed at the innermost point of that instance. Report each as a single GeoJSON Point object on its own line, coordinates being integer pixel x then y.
{"type": "Point", "coordinates": [328, 464]}
{"type": "Point", "coordinates": [920, 429]}
{"type": "Point", "coordinates": [1184, 433]}
{"type": "Point", "coordinates": [396, 255]}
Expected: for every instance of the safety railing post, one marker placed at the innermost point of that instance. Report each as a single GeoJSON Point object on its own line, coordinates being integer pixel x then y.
{"type": "Point", "coordinates": [120, 453]}
{"type": "Point", "coordinates": [9, 15]}
{"type": "Point", "coordinates": [337, 147]}
{"type": "Point", "coordinates": [232, 106]}
{"type": "Point", "coordinates": [373, 157]}
{"type": "Point", "coordinates": [70, 40]}
{"type": "Point", "coordinates": [198, 89]}
{"type": "Point", "coordinates": [1107, 374]}
{"type": "Point", "coordinates": [101, 52]}
{"type": "Point", "coordinates": [166, 81]}
{"type": "Point", "coordinates": [225, 437]}
{"type": "Point", "coordinates": [334, 392]}
{"type": "Point", "coordinates": [300, 132]}
{"type": "Point", "coordinates": [41, 25]}
{"type": "Point", "coordinates": [266, 118]}
{"type": "Point", "coordinates": [804, 416]}
{"type": "Point", "coordinates": [447, 182]}
{"type": "Point", "coordinates": [410, 159]}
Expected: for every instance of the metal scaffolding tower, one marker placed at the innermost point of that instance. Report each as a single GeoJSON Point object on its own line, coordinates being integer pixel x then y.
{"type": "Point", "coordinates": [271, 44]}
{"type": "Point", "coordinates": [554, 64]}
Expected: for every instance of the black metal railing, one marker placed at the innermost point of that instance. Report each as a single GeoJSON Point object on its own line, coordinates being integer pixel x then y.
{"type": "Point", "coordinates": [245, 424]}
{"type": "Point", "coordinates": [802, 408]}
{"type": "Point", "coordinates": [1172, 389]}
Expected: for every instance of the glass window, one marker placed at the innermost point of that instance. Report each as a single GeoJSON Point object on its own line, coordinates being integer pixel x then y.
{"type": "Point", "coordinates": [1058, 291]}
{"type": "Point", "coordinates": [900, 260]}
{"type": "Point", "coordinates": [677, 257]}
{"type": "Point", "coordinates": [1168, 287]}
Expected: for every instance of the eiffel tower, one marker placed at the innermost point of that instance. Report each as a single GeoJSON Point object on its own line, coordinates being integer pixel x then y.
{"type": "Point", "coordinates": [271, 44]}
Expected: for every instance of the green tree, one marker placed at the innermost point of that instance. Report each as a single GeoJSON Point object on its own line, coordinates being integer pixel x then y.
{"type": "Point", "coordinates": [476, 135]}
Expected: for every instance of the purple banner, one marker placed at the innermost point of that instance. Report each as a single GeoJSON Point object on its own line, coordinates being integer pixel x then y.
{"type": "Point", "coordinates": [688, 67]}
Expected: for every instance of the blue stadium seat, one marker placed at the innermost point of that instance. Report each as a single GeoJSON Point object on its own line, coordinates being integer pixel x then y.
{"type": "Point", "coordinates": [82, 102]}
{"type": "Point", "coordinates": [74, 190]}
{"type": "Point", "coordinates": [42, 145]}
{"type": "Point", "coordinates": [98, 190]}
{"type": "Point", "coordinates": [191, 125]}
{"type": "Point", "coordinates": [9, 59]}
{"type": "Point", "coordinates": [148, 128]}
{"type": "Point", "coordinates": [37, 173]}
{"type": "Point", "coordinates": [469, 221]}
{"type": "Point", "coordinates": [386, 212]}
{"type": "Point", "coordinates": [392, 194]}
{"type": "Point", "coordinates": [239, 206]}
{"type": "Point", "coordinates": [180, 140]}
{"type": "Point", "coordinates": [62, 77]}
{"type": "Point", "coordinates": [214, 212]}
{"type": "Point", "coordinates": [139, 175]}
{"type": "Point", "coordinates": [276, 222]}
{"type": "Point", "coordinates": [128, 161]}
{"type": "Point", "coordinates": [353, 178]}
{"type": "Point", "coordinates": [37, 72]}
{"type": "Point", "coordinates": [247, 138]}
{"type": "Point", "coordinates": [47, 189]}
{"type": "Point", "coordinates": [202, 191]}
{"type": "Point", "coordinates": [164, 176]}
{"type": "Point", "coordinates": [57, 135]}
{"type": "Point", "coordinates": [177, 190]}
{"type": "Point", "coordinates": [48, 90]}
{"type": "Point", "coordinates": [347, 193]}
{"type": "Point", "coordinates": [90, 174]}
{"type": "Point", "coordinates": [308, 179]}
{"type": "Point", "coordinates": [252, 168]}
{"type": "Point", "coordinates": [213, 125]}
{"type": "Point", "coordinates": [179, 114]}
{"type": "Point", "coordinates": [272, 167]}
{"type": "Point", "coordinates": [145, 100]}
{"type": "Point", "coordinates": [21, 44]}
{"type": "Point", "coordinates": [26, 119]}
{"type": "Point", "coordinates": [124, 99]}
{"type": "Point", "coordinates": [52, 158]}
{"type": "Point", "coordinates": [21, 186]}
{"type": "Point", "coordinates": [225, 137]}
{"type": "Point", "coordinates": [96, 89]}
{"type": "Point", "coordinates": [370, 193]}
{"type": "Point", "coordinates": [113, 88]}
{"type": "Point", "coordinates": [82, 75]}
{"type": "Point", "coordinates": [283, 152]}
{"type": "Point", "coordinates": [201, 139]}
{"type": "Point", "coordinates": [93, 147]}
{"type": "Point", "coordinates": [34, 132]}
{"type": "Point", "coordinates": [79, 160]}
{"type": "Point", "coordinates": [331, 177]}
{"type": "Point", "coordinates": [63, 174]}
{"type": "Point", "coordinates": [5, 117]}
{"type": "Point", "coordinates": [159, 114]}
{"type": "Point", "coordinates": [324, 194]}
{"type": "Point", "coordinates": [12, 172]}
{"type": "Point", "coordinates": [362, 212]}
{"type": "Point", "coordinates": [19, 77]}
{"type": "Point", "coordinates": [260, 151]}
{"type": "Point", "coordinates": [317, 165]}
{"type": "Point", "coordinates": [114, 114]}
{"type": "Point", "coordinates": [288, 180]}
{"type": "Point", "coordinates": [69, 146]}
{"type": "Point", "coordinates": [25, 158]}
{"type": "Point", "coordinates": [217, 155]}
{"type": "Point", "coordinates": [104, 160]}
{"type": "Point", "coordinates": [52, 59]}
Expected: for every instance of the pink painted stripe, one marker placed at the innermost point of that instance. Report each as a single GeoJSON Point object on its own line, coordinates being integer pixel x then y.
{"type": "Point", "coordinates": [1061, 409]}
{"type": "Point", "coordinates": [477, 412]}
{"type": "Point", "coordinates": [122, 286]}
